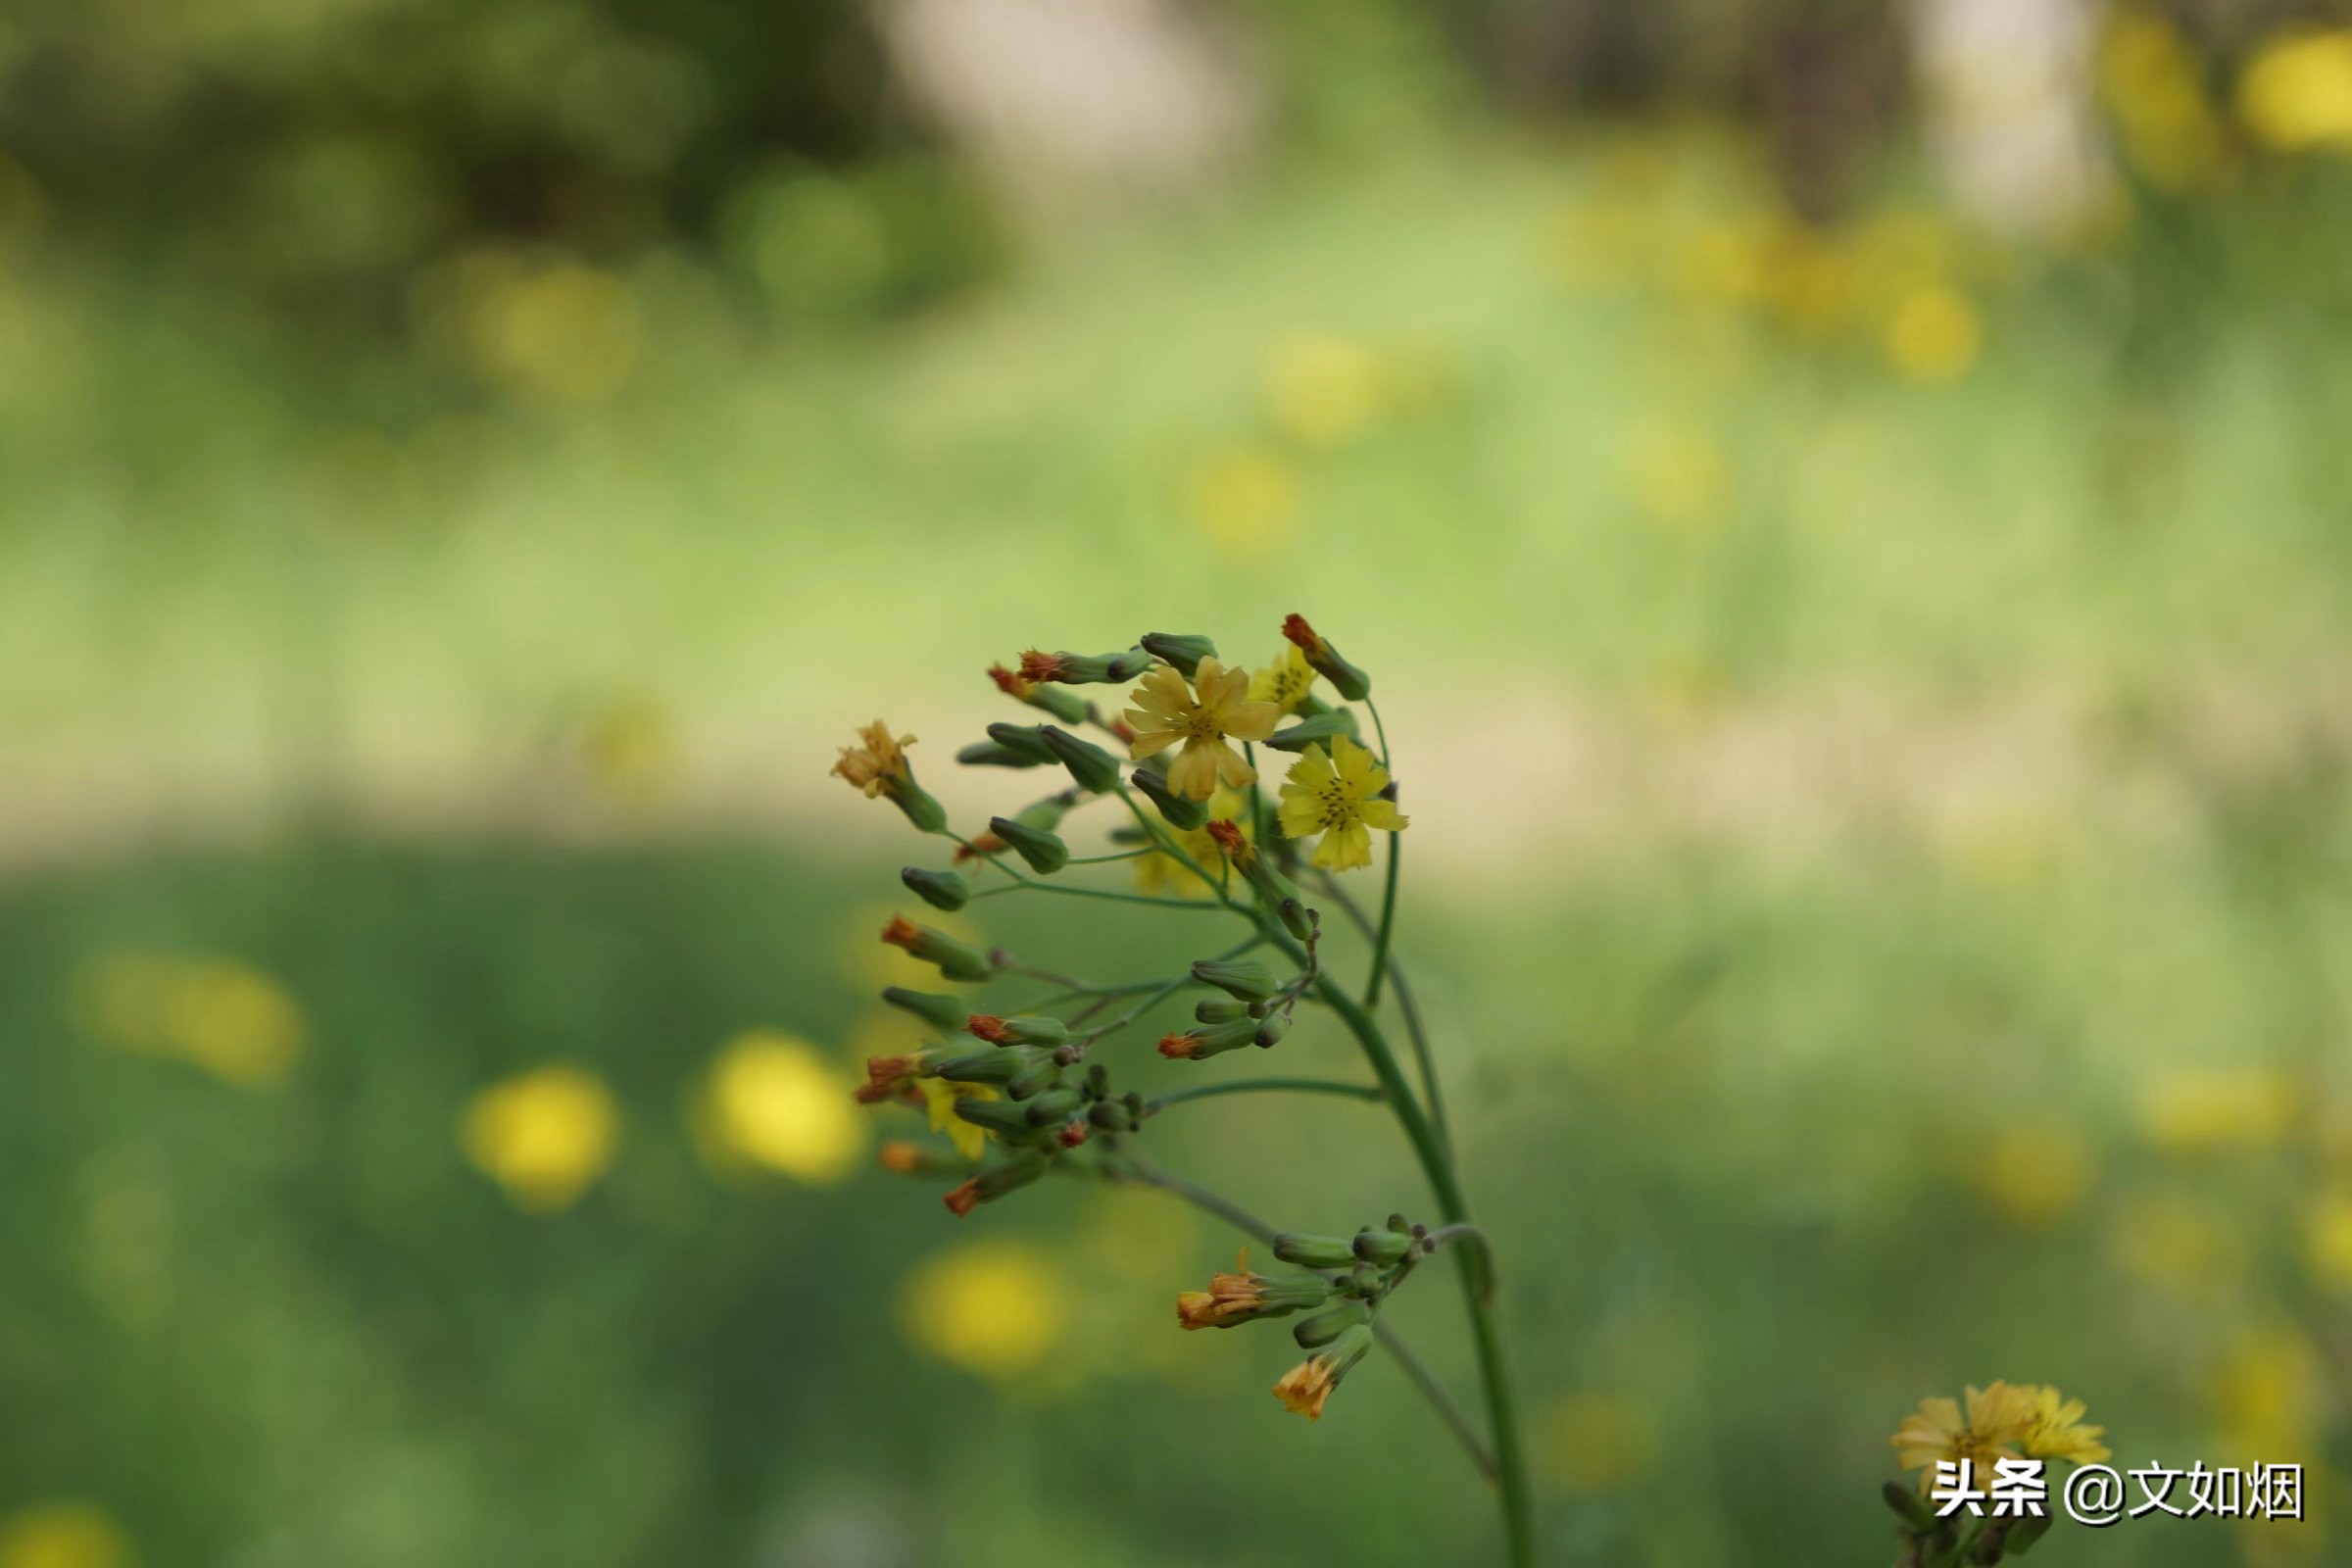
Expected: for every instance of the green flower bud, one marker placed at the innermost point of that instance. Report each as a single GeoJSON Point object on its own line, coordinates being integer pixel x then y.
{"type": "Point", "coordinates": [1045, 852]}
{"type": "Point", "coordinates": [1309, 1251]}
{"type": "Point", "coordinates": [1209, 1040]}
{"type": "Point", "coordinates": [1046, 815]}
{"type": "Point", "coordinates": [939, 1013]}
{"type": "Point", "coordinates": [1300, 736]}
{"type": "Point", "coordinates": [942, 890]}
{"type": "Point", "coordinates": [1350, 681]}
{"type": "Point", "coordinates": [957, 960]}
{"type": "Point", "coordinates": [1245, 978]}
{"type": "Point", "coordinates": [996, 1181]}
{"type": "Point", "coordinates": [994, 1068]}
{"type": "Point", "coordinates": [1180, 814]}
{"type": "Point", "coordinates": [988, 753]}
{"type": "Point", "coordinates": [1313, 1332]}
{"type": "Point", "coordinates": [1215, 1010]}
{"type": "Point", "coordinates": [1022, 739]}
{"type": "Point", "coordinates": [1085, 669]}
{"type": "Point", "coordinates": [1184, 653]}
{"type": "Point", "coordinates": [1090, 765]}
{"type": "Point", "coordinates": [1908, 1505]}
{"type": "Point", "coordinates": [1027, 1029]}
{"type": "Point", "coordinates": [1384, 1248]}
{"type": "Point", "coordinates": [1271, 1028]}
{"type": "Point", "coordinates": [926, 813]}
{"type": "Point", "coordinates": [1054, 1107]}
{"type": "Point", "coordinates": [1112, 1116]}
{"type": "Point", "coordinates": [1005, 1117]}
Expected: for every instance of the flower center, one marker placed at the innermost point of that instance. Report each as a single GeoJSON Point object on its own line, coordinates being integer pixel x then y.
{"type": "Point", "coordinates": [1334, 806]}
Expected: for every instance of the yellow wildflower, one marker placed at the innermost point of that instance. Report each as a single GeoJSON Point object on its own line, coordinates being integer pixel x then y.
{"type": "Point", "coordinates": [872, 766]}
{"type": "Point", "coordinates": [1214, 712]}
{"type": "Point", "coordinates": [545, 1136]}
{"type": "Point", "coordinates": [1998, 1417]}
{"type": "Point", "coordinates": [1339, 797]}
{"type": "Point", "coordinates": [62, 1534]}
{"type": "Point", "coordinates": [774, 1102]}
{"type": "Point", "coordinates": [1286, 681]}
{"type": "Point", "coordinates": [2055, 1430]}
{"type": "Point", "coordinates": [939, 1105]}
{"type": "Point", "coordinates": [1304, 1388]}
{"type": "Point", "coordinates": [2297, 91]}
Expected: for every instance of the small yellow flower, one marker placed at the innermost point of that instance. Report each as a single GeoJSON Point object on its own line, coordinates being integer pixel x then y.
{"type": "Point", "coordinates": [1339, 797]}
{"type": "Point", "coordinates": [939, 1105]}
{"type": "Point", "coordinates": [1286, 681]}
{"type": "Point", "coordinates": [545, 1136]}
{"type": "Point", "coordinates": [774, 1102]}
{"type": "Point", "coordinates": [872, 766]}
{"type": "Point", "coordinates": [2056, 1431]}
{"type": "Point", "coordinates": [1998, 1418]}
{"type": "Point", "coordinates": [1304, 1388]}
{"type": "Point", "coordinates": [1231, 1297]}
{"type": "Point", "coordinates": [62, 1534]}
{"type": "Point", "coordinates": [1206, 720]}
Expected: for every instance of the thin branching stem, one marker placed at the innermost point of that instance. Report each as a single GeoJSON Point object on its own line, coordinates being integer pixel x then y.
{"type": "Point", "coordinates": [1266, 1086]}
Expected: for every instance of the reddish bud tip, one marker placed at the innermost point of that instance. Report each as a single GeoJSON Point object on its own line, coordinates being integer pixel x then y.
{"type": "Point", "coordinates": [963, 1200]}
{"type": "Point", "coordinates": [1176, 1048]}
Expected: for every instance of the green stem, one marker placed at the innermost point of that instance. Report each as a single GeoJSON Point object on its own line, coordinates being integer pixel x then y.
{"type": "Point", "coordinates": [1252, 1085]}
{"type": "Point", "coordinates": [1414, 1032]}
{"type": "Point", "coordinates": [1030, 885]}
{"type": "Point", "coordinates": [1388, 898]}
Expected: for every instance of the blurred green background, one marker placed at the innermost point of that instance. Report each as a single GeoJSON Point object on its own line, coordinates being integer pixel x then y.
{"type": "Point", "coordinates": [1848, 511]}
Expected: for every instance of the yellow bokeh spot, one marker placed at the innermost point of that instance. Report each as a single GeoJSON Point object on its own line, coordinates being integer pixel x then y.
{"type": "Point", "coordinates": [561, 334]}
{"type": "Point", "coordinates": [1323, 391]}
{"type": "Point", "coordinates": [1934, 334]}
{"type": "Point", "coordinates": [774, 1101]}
{"type": "Point", "coordinates": [2296, 92]}
{"type": "Point", "coordinates": [2199, 1111]}
{"type": "Point", "coordinates": [1138, 1236]}
{"type": "Point", "coordinates": [2154, 85]}
{"type": "Point", "coordinates": [2265, 1398]}
{"type": "Point", "coordinates": [994, 1309]}
{"type": "Point", "coordinates": [233, 1021]}
{"type": "Point", "coordinates": [631, 751]}
{"type": "Point", "coordinates": [2037, 1171]}
{"type": "Point", "coordinates": [2176, 1241]}
{"type": "Point", "coordinates": [545, 1135]}
{"type": "Point", "coordinates": [1246, 500]}
{"type": "Point", "coordinates": [62, 1534]}
{"type": "Point", "coordinates": [2327, 1242]}
{"type": "Point", "coordinates": [1680, 478]}
{"type": "Point", "coordinates": [1594, 1441]}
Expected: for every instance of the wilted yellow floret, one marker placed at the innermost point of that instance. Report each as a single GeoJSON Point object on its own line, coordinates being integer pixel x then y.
{"type": "Point", "coordinates": [2296, 92]}
{"type": "Point", "coordinates": [875, 762]}
{"type": "Point", "coordinates": [62, 1534]}
{"type": "Point", "coordinates": [545, 1135]}
{"type": "Point", "coordinates": [773, 1100]}
{"type": "Point", "coordinates": [2195, 1111]}
{"type": "Point", "coordinates": [233, 1021]}
{"type": "Point", "coordinates": [994, 1309]}
{"type": "Point", "coordinates": [1934, 334]}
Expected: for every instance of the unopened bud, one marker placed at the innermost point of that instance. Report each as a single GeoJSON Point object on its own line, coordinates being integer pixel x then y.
{"type": "Point", "coordinates": [1274, 890]}
{"type": "Point", "coordinates": [1220, 1011]}
{"type": "Point", "coordinates": [1307, 731]}
{"type": "Point", "coordinates": [994, 1182]}
{"type": "Point", "coordinates": [1004, 1118]}
{"type": "Point", "coordinates": [1183, 651]}
{"type": "Point", "coordinates": [939, 1013]}
{"type": "Point", "coordinates": [1068, 707]}
{"type": "Point", "coordinates": [942, 890]}
{"type": "Point", "coordinates": [1271, 1028]}
{"type": "Point", "coordinates": [1045, 852]}
{"type": "Point", "coordinates": [1026, 1029]}
{"type": "Point", "coordinates": [1245, 978]}
{"type": "Point", "coordinates": [1006, 1069]}
{"type": "Point", "coordinates": [1908, 1505]}
{"type": "Point", "coordinates": [1054, 1107]}
{"type": "Point", "coordinates": [957, 960]}
{"type": "Point", "coordinates": [1350, 682]}
{"type": "Point", "coordinates": [1209, 1040]}
{"type": "Point", "coordinates": [904, 1157]}
{"type": "Point", "coordinates": [1023, 739]}
{"type": "Point", "coordinates": [1073, 1132]}
{"type": "Point", "coordinates": [1111, 1116]}
{"type": "Point", "coordinates": [1180, 814]}
{"type": "Point", "coordinates": [988, 753]}
{"type": "Point", "coordinates": [1315, 1332]}
{"type": "Point", "coordinates": [1309, 1251]}
{"type": "Point", "coordinates": [1090, 765]}
{"type": "Point", "coordinates": [1382, 1247]}
{"type": "Point", "coordinates": [1084, 669]}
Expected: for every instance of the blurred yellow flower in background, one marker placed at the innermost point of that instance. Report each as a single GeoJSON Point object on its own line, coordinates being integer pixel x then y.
{"type": "Point", "coordinates": [1934, 334]}
{"type": "Point", "coordinates": [564, 334]}
{"type": "Point", "coordinates": [2327, 1242]}
{"type": "Point", "coordinates": [1244, 500]}
{"type": "Point", "coordinates": [545, 1135]}
{"type": "Point", "coordinates": [939, 1107]}
{"type": "Point", "coordinates": [2296, 92]}
{"type": "Point", "coordinates": [1138, 1236]}
{"type": "Point", "coordinates": [2036, 1170]}
{"type": "Point", "coordinates": [1162, 875]}
{"type": "Point", "coordinates": [232, 1021]}
{"type": "Point", "coordinates": [2179, 1242]}
{"type": "Point", "coordinates": [994, 1309]}
{"type": "Point", "coordinates": [772, 1101]}
{"type": "Point", "coordinates": [2266, 1398]}
{"type": "Point", "coordinates": [631, 750]}
{"type": "Point", "coordinates": [1594, 1441]}
{"type": "Point", "coordinates": [2188, 1111]}
{"type": "Point", "coordinates": [1679, 475]}
{"type": "Point", "coordinates": [62, 1534]}
{"type": "Point", "coordinates": [2154, 85]}
{"type": "Point", "coordinates": [1322, 391]}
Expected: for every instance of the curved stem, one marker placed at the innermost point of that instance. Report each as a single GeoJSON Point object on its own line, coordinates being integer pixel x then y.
{"type": "Point", "coordinates": [1134, 1167]}
{"type": "Point", "coordinates": [1252, 1085]}
{"type": "Point", "coordinates": [1388, 898]}
{"type": "Point", "coordinates": [1415, 1035]}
